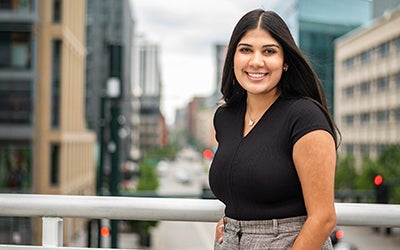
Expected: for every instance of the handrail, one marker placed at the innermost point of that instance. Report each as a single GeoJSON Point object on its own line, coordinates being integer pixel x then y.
{"type": "Point", "coordinates": [110, 207]}
{"type": "Point", "coordinates": [172, 209]}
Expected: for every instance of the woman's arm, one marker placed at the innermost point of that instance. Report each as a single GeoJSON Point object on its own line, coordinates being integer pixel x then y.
{"type": "Point", "coordinates": [219, 231]}
{"type": "Point", "coordinates": [314, 156]}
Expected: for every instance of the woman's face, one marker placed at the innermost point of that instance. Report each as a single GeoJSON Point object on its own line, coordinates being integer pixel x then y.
{"type": "Point", "coordinates": [258, 63]}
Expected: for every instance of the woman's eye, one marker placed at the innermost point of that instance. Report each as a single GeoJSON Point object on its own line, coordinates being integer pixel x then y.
{"type": "Point", "coordinates": [245, 50]}
{"type": "Point", "coordinates": [269, 51]}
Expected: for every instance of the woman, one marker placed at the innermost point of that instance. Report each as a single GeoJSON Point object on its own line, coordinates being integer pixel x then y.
{"type": "Point", "coordinates": [275, 164]}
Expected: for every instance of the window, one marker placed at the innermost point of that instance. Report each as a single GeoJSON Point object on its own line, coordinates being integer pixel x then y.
{"type": "Point", "coordinates": [397, 115]}
{"type": "Point", "coordinates": [57, 11]}
{"type": "Point", "coordinates": [365, 118]}
{"type": "Point", "coordinates": [365, 57]}
{"type": "Point", "coordinates": [349, 148]}
{"type": "Point", "coordinates": [15, 50]}
{"type": "Point", "coordinates": [15, 102]}
{"type": "Point", "coordinates": [383, 50]}
{"type": "Point", "coordinates": [55, 164]}
{"type": "Point", "coordinates": [16, 167]}
{"type": "Point", "coordinates": [397, 43]}
{"type": "Point", "coordinates": [364, 149]}
{"type": "Point", "coordinates": [382, 84]}
{"type": "Point", "coordinates": [397, 79]}
{"type": "Point", "coordinates": [349, 63]}
{"type": "Point", "coordinates": [55, 83]}
{"type": "Point", "coordinates": [349, 120]}
{"type": "Point", "coordinates": [382, 116]}
{"type": "Point", "coordinates": [365, 88]}
{"type": "Point", "coordinates": [349, 91]}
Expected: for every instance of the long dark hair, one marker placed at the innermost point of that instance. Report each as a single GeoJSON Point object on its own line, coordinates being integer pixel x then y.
{"type": "Point", "coordinates": [299, 81]}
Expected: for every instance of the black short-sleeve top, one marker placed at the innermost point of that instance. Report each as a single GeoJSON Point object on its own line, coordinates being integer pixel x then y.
{"type": "Point", "coordinates": [254, 175]}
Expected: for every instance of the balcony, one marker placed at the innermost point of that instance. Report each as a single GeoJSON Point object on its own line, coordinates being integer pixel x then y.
{"type": "Point", "coordinates": [19, 13]}
{"type": "Point", "coordinates": [53, 208]}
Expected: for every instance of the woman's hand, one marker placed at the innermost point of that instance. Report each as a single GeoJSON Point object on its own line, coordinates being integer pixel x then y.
{"type": "Point", "coordinates": [219, 231]}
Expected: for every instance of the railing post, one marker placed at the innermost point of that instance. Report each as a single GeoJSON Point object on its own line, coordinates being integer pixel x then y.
{"type": "Point", "coordinates": [52, 233]}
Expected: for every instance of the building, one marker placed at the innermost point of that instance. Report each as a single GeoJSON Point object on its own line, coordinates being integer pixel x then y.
{"type": "Point", "coordinates": [63, 159]}
{"type": "Point", "coordinates": [45, 146]}
{"type": "Point", "coordinates": [219, 59]}
{"type": "Point", "coordinates": [147, 88]}
{"type": "Point", "coordinates": [200, 129]}
{"type": "Point", "coordinates": [109, 28]}
{"type": "Point", "coordinates": [17, 88]}
{"type": "Point", "coordinates": [319, 24]}
{"type": "Point", "coordinates": [367, 83]}
{"type": "Point", "coordinates": [379, 7]}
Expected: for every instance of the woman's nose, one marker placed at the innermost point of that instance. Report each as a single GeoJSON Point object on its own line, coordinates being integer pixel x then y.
{"type": "Point", "coordinates": [257, 60]}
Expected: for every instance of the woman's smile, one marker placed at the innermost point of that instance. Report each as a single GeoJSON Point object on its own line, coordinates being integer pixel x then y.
{"type": "Point", "coordinates": [258, 62]}
{"type": "Point", "coordinates": [256, 76]}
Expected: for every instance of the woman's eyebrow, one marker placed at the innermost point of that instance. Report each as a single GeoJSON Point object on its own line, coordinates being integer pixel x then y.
{"type": "Point", "coordinates": [264, 46]}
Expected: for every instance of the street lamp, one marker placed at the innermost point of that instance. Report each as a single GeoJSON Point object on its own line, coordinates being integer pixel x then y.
{"type": "Point", "coordinates": [112, 99]}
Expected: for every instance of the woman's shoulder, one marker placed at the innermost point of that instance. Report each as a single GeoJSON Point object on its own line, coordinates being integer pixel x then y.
{"type": "Point", "coordinates": [301, 105]}
{"type": "Point", "coordinates": [224, 109]}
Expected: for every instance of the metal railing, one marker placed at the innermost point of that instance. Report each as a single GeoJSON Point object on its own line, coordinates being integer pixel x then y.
{"type": "Point", "coordinates": [52, 208]}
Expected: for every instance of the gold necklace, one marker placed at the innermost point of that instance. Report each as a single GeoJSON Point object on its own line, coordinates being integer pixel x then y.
{"type": "Point", "coordinates": [251, 121]}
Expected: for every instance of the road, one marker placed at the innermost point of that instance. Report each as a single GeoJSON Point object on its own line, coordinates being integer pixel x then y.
{"type": "Point", "coordinates": [364, 238]}
{"type": "Point", "coordinates": [185, 176]}
{"type": "Point", "coordinates": [184, 236]}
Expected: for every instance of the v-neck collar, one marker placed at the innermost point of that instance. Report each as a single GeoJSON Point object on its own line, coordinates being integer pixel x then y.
{"type": "Point", "coordinates": [243, 115]}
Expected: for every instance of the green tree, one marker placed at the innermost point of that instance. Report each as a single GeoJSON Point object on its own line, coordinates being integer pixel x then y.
{"type": "Point", "coordinates": [389, 161]}
{"type": "Point", "coordinates": [389, 167]}
{"type": "Point", "coordinates": [345, 173]}
{"type": "Point", "coordinates": [364, 180]}
{"type": "Point", "coordinates": [148, 180]}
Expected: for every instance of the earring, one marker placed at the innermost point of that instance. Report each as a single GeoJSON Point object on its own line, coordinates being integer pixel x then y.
{"type": "Point", "coordinates": [285, 67]}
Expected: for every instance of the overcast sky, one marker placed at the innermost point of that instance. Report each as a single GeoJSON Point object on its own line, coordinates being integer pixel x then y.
{"type": "Point", "coordinates": [186, 31]}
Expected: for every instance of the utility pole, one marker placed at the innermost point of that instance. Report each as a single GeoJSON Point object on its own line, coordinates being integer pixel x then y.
{"type": "Point", "coordinates": [115, 87]}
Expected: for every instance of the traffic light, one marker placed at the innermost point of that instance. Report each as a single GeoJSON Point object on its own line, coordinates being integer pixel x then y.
{"type": "Point", "coordinates": [381, 195]}
{"type": "Point", "coordinates": [381, 190]}
{"type": "Point", "coordinates": [378, 180]}
{"type": "Point", "coordinates": [104, 231]}
{"type": "Point", "coordinates": [336, 236]}
{"type": "Point", "coordinates": [208, 154]}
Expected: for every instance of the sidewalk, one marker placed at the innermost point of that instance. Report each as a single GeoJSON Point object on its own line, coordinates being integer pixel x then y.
{"type": "Point", "coordinates": [125, 241]}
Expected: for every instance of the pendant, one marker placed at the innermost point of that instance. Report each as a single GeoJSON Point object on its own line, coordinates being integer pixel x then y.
{"type": "Point", "coordinates": [251, 122]}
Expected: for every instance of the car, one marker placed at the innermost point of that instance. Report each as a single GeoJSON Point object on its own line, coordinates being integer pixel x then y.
{"type": "Point", "coordinates": [183, 177]}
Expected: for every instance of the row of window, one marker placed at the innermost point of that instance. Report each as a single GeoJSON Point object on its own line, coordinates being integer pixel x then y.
{"type": "Point", "coordinates": [55, 83]}
{"type": "Point", "coordinates": [16, 102]}
{"type": "Point", "coordinates": [368, 118]}
{"type": "Point", "coordinates": [15, 50]}
{"type": "Point", "coordinates": [381, 51]}
{"type": "Point", "coordinates": [364, 149]}
{"type": "Point", "coordinates": [21, 5]}
{"type": "Point", "coordinates": [381, 84]}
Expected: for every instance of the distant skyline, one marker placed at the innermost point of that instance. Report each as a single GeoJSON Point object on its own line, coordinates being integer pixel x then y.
{"type": "Point", "coordinates": [187, 32]}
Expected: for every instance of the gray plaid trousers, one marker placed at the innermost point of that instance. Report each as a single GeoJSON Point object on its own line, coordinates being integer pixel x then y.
{"type": "Point", "coordinates": [262, 234]}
